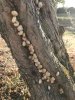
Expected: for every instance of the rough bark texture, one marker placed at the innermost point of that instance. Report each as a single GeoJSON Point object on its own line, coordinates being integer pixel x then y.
{"type": "Point", "coordinates": [50, 49]}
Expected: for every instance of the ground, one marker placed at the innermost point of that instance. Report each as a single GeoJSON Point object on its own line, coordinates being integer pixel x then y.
{"type": "Point", "coordinates": [11, 86]}
{"type": "Point", "coordinates": [69, 40]}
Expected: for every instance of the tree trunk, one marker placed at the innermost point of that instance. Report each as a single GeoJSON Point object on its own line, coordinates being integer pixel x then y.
{"type": "Point", "coordinates": [42, 30]}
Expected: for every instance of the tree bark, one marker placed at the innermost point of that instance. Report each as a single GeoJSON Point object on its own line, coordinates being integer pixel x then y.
{"type": "Point", "coordinates": [42, 31]}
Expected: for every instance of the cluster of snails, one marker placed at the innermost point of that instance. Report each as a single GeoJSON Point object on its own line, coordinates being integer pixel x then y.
{"type": "Point", "coordinates": [46, 74]}
{"type": "Point", "coordinates": [25, 42]}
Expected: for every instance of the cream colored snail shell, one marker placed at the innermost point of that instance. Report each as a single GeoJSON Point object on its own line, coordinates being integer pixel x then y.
{"type": "Point", "coordinates": [34, 55]}
{"type": "Point", "coordinates": [44, 77]}
{"type": "Point", "coordinates": [40, 66]}
{"type": "Point", "coordinates": [35, 60]}
{"type": "Point", "coordinates": [40, 81]}
{"type": "Point", "coordinates": [36, 64]}
{"type": "Point", "coordinates": [57, 74]}
{"type": "Point", "coordinates": [20, 33]}
{"type": "Point", "coordinates": [40, 70]}
{"type": "Point", "coordinates": [47, 74]}
{"type": "Point", "coordinates": [23, 43]}
{"type": "Point", "coordinates": [48, 80]}
{"type": "Point", "coordinates": [14, 19]}
{"type": "Point", "coordinates": [32, 52]}
{"type": "Point", "coordinates": [49, 88]}
{"type": "Point", "coordinates": [40, 4]}
{"type": "Point", "coordinates": [27, 42]}
{"type": "Point", "coordinates": [30, 47]}
{"type": "Point", "coordinates": [16, 24]}
{"type": "Point", "coordinates": [52, 80]}
{"type": "Point", "coordinates": [43, 70]}
{"type": "Point", "coordinates": [14, 13]}
{"type": "Point", "coordinates": [20, 28]}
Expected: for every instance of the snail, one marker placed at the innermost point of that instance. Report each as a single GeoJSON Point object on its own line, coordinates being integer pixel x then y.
{"type": "Point", "coordinates": [20, 28]}
{"type": "Point", "coordinates": [14, 13]}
